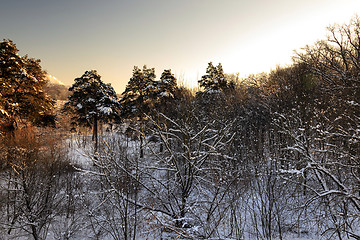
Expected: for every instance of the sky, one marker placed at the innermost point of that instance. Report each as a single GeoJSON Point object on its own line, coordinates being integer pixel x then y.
{"type": "Point", "coordinates": [112, 36]}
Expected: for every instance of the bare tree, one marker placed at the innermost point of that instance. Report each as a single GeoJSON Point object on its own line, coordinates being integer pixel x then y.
{"type": "Point", "coordinates": [31, 183]}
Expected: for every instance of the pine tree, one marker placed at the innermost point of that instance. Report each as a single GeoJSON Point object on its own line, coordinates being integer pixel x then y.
{"type": "Point", "coordinates": [167, 86]}
{"type": "Point", "coordinates": [92, 100]}
{"type": "Point", "coordinates": [138, 95]}
{"type": "Point", "coordinates": [214, 79]}
{"type": "Point", "coordinates": [22, 81]}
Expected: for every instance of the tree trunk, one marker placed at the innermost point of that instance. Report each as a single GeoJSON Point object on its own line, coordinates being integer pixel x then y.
{"type": "Point", "coordinates": [141, 147]}
{"type": "Point", "coordinates": [95, 134]}
{"type": "Point", "coordinates": [34, 232]}
{"type": "Point", "coordinates": [141, 139]}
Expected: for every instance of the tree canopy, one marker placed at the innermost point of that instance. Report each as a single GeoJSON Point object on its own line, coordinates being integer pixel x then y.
{"type": "Point", "coordinates": [22, 81]}
{"type": "Point", "coordinates": [143, 93]}
{"type": "Point", "coordinates": [91, 98]}
{"type": "Point", "coordinates": [215, 79]}
{"type": "Point", "coordinates": [137, 95]}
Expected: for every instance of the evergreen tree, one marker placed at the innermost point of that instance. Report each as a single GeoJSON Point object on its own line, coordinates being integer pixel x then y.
{"type": "Point", "coordinates": [92, 100]}
{"type": "Point", "coordinates": [22, 80]}
{"type": "Point", "coordinates": [214, 79]}
{"type": "Point", "coordinates": [137, 97]}
{"type": "Point", "coordinates": [166, 93]}
{"type": "Point", "coordinates": [167, 86]}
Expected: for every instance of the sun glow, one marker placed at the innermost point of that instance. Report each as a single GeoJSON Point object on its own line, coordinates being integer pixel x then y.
{"type": "Point", "coordinates": [246, 37]}
{"type": "Point", "coordinates": [275, 44]}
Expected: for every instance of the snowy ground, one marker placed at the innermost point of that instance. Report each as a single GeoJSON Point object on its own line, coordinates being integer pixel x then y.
{"type": "Point", "coordinates": [99, 212]}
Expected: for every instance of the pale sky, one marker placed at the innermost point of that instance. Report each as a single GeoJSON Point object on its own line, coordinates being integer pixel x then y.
{"type": "Point", "coordinates": [246, 36]}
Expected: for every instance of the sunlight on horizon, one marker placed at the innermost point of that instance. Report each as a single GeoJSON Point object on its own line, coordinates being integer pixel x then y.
{"type": "Point", "coordinates": [263, 54]}
{"type": "Point", "coordinates": [245, 37]}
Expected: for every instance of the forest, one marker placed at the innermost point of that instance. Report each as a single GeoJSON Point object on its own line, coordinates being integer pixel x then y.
{"type": "Point", "coordinates": [271, 156]}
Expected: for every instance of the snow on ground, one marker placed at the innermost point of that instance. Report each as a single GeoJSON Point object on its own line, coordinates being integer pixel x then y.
{"type": "Point", "coordinates": [90, 220]}
{"type": "Point", "coordinates": [81, 152]}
